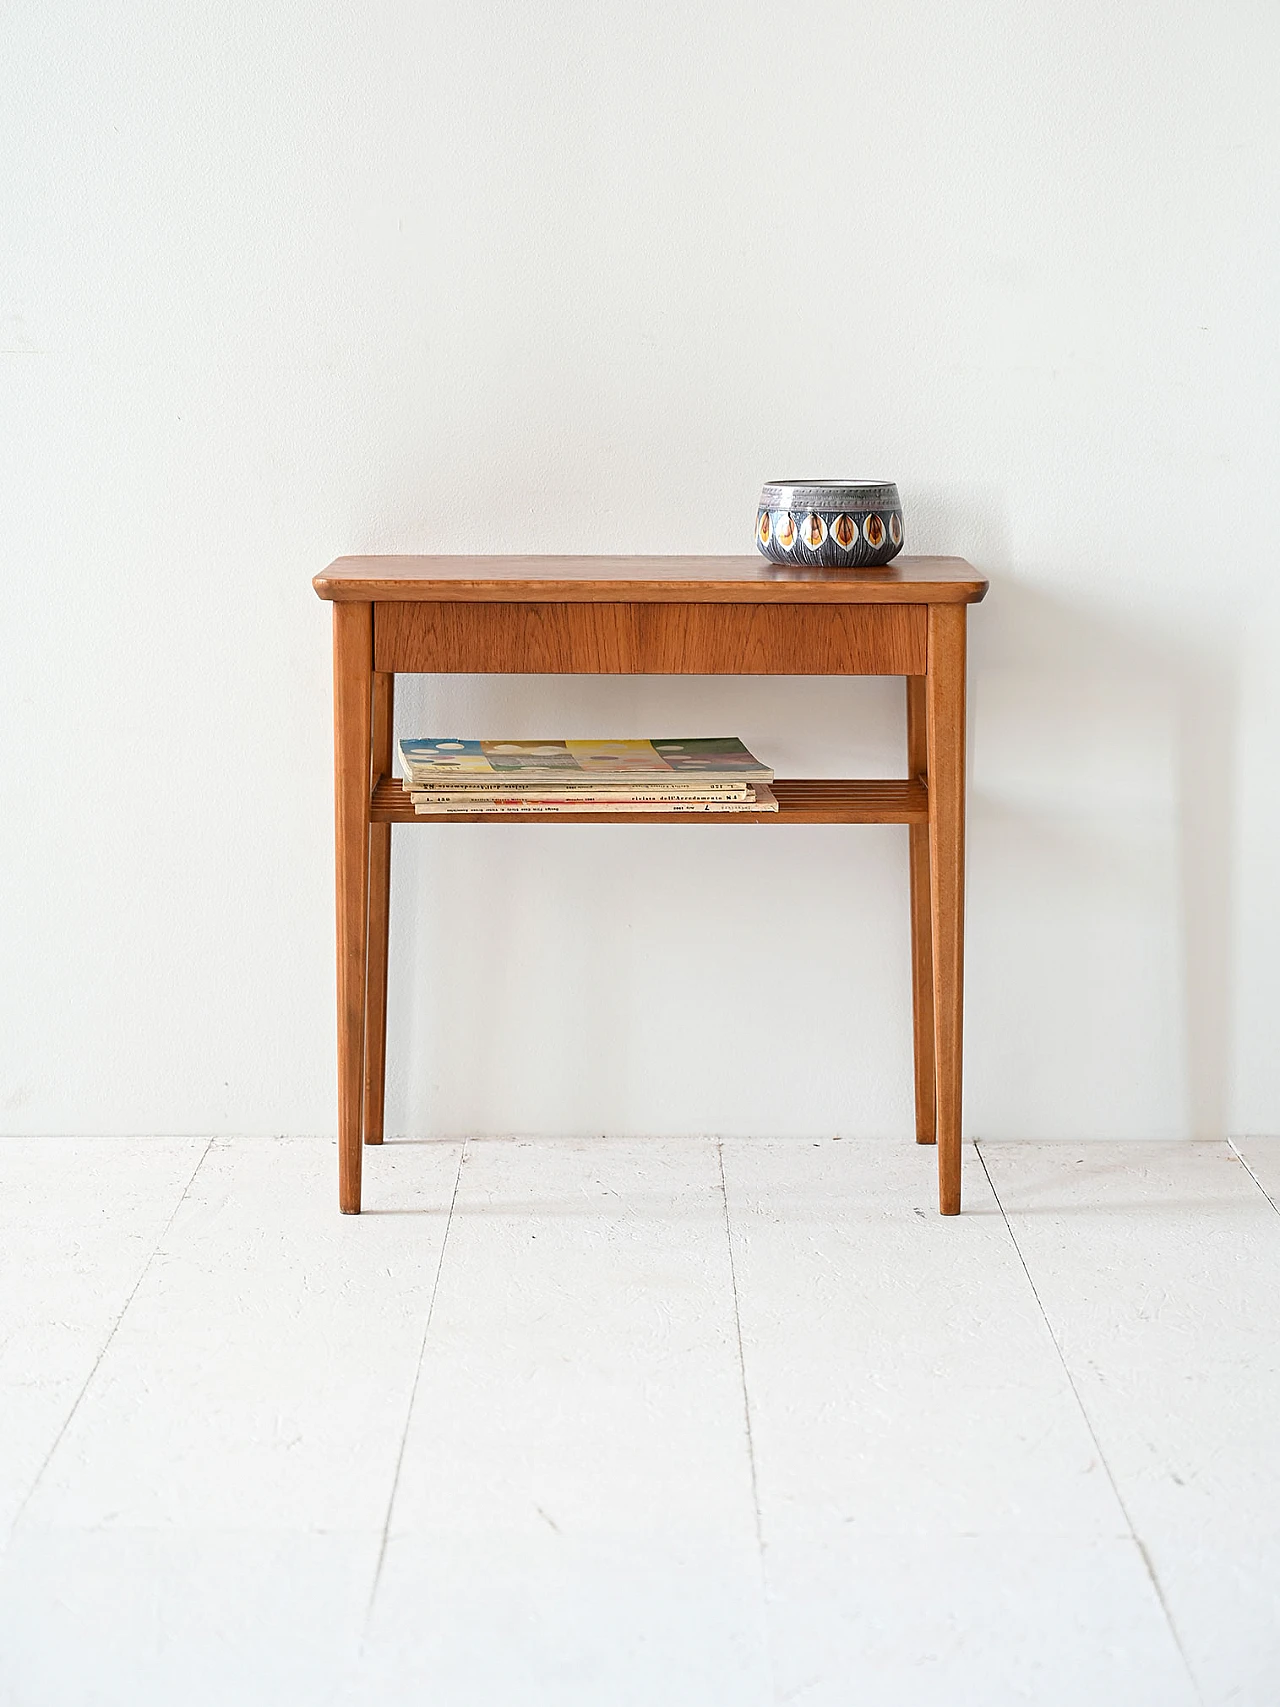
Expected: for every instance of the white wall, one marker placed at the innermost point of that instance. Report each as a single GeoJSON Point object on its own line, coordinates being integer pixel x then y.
{"type": "Point", "coordinates": [287, 281]}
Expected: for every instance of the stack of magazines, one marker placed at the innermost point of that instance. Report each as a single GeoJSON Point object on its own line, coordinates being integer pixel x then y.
{"type": "Point", "coordinates": [548, 777]}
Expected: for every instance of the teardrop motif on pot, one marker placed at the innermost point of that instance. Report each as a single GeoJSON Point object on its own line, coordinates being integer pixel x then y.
{"type": "Point", "coordinates": [895, 528]}
{"type": "Point", "coordinates": [764, 529]}
{"type": "Point", "coordinates": [844, 530]}
{"type": "Point", "coordinates": [813, 530]}
{"type": "Point", "coordinates": [873, 532]}
{"type": "Point", "coordinates": [784, 529]}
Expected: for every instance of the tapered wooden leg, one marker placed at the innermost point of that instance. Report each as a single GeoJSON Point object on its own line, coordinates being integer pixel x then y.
{"type": "Point", "coordinates": [375, 1011]}
{"type": "Point", "coordinates": [921, 923]}
{"type": "Point", "coordinates": [944, 696]}
{"type": "Point", "coordinates": [352, 673]}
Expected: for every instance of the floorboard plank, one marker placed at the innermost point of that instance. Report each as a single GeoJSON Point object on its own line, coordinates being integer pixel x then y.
{"type": "Point", "coordinates": [938, 1526]}
{"type": "Point", "coordinates": [201, 1617]}
{"type": "Point", "coordinates": [1262, 1158]}
{"type": "Point", "coordinates": [574, 1521]}
{"type": "Point", "coordinates": [1158, 1266]}
{"type": "Point", "coordinates": [79, 1221]}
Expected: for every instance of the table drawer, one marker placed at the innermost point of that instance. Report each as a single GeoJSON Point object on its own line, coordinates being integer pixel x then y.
{"type": "Point", "coordinates": [462, 638]}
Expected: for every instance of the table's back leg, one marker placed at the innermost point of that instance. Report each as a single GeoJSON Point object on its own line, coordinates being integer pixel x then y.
{"type": "Point", "coordinates": [352, 672]}
{"type": "Point", "coordinates": [375, 1013]}
{"type": "Point", "coordinates": [921, 923]}
{"type": "Point", "coordinates": [945, 700]}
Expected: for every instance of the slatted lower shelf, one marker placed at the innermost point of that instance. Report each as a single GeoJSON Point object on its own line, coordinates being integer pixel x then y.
{"type": "Point", "coordinates": [822, 801]}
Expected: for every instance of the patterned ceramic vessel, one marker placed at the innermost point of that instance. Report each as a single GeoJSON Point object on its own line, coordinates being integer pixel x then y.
{"type": "Point", "coordinates": [844, 524]}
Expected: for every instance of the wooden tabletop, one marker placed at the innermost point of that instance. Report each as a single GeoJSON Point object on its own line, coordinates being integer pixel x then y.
{"type": "Point", "coordinates": [653, 580]}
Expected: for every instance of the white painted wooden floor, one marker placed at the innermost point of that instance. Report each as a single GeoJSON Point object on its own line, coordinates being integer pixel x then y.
{"type": "Point", "coordinates": [655, 1422]}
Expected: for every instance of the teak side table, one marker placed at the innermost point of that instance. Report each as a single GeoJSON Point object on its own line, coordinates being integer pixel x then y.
{"type": "Point", "coordinates": [684, 616]}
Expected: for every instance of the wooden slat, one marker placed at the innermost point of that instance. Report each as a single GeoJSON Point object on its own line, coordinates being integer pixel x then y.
{"type": "Point", "coordinates": [945, 710]}
{"type": "Point", "coordinates": [921, 924]}
{"type": "Point", "coordinates": [375, 1011]}
{"type": "Point", "coordinates": [820, 801]}
{"type": "Point", "coordinates": [653, 580]}
{"type": "Point", "coordinates": [458, 638]}
{"type": "Point", "coordinates": [352, 729]}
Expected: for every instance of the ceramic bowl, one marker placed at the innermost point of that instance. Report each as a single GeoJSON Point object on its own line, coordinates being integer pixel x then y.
{"type": "Point", "coordinates": [844, 524]}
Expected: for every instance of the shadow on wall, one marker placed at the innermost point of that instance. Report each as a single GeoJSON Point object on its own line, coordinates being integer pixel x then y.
{"type": "Point", "coordinates": [1101, 812]}
{"type": "Point", "coordinates": [1101, 859]}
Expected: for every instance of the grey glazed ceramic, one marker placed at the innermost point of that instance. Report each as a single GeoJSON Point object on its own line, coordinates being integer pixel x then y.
{"type": "Point", "coordinates": [849, 524]}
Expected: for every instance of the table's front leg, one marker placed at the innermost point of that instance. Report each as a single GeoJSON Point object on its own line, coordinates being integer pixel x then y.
{"type": "Point", "coordinates": [945, 699]}
{"type": "Point", "coordinates": [921, 924]}
{"type": "Point", "coordinates": [375, 1012]}
{"type": "Point", "coordinates": [352, 682]}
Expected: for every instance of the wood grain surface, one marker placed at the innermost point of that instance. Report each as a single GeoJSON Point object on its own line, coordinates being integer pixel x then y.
{"type": "Point", "coordinates": [454, 637]}
{"type": "Point", "coordinates": [375, 1009]}
{"type": "Point", "coordinates": [655, 580]}
{"type": "Point", "coordinates": [352, 735]}
{"type": "Point", "coordinates": [818, 801]}
{"type": "Point", "coordinates": [945, 706]}
{"type": "Point", "coordinates": [921, 924]}
{"type": "Point", "coordinates": [739, 616]}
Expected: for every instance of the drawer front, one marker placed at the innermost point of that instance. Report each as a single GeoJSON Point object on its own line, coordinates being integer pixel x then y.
{"type": "Point", "coordinates": [650, 639]}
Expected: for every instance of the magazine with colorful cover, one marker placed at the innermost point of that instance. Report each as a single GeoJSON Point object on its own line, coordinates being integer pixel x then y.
{"type": "Point", "coordinates": [763, 800]}
{"type": "Point", "coordinates": [696, 759]}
